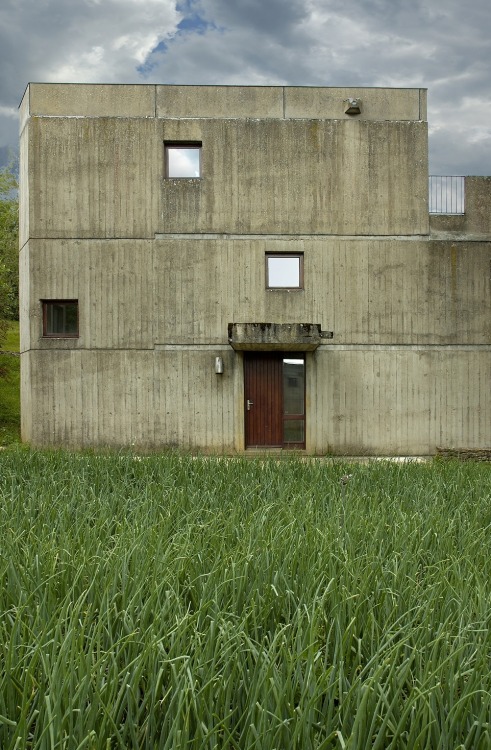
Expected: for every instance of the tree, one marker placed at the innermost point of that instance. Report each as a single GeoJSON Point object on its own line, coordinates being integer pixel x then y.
{"type": "Point", "coordinates": [9, 249]}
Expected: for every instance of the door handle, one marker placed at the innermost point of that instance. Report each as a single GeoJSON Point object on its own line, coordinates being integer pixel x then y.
{"type": "Point", "coordinates": [249, 404]}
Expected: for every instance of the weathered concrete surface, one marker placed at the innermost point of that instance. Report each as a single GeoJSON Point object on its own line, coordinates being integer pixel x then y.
{"type": "Point", "coordinates": [399, 400]}
{"type": "Point", "coordinates": [90, 100]}
{"type": "Point", "coordinates": [102, 177]}
{"type": "Point", "coordinates": [141, 398]}
{"type": "Point", "coordinates": [219, 101]}
{"type": "Point", "coordinates": [475, 223]}
{"type": "Point", "coordinates": [376, 104]}
{"type": "Point", "coordinates": [360, 401]}
{"type": "Point", "coordinates": [478, 202]}
{"type": "Point", "coordinates": [161, 266]}
{"type": "Point", "coordinates": [300, 337]}
{"type": "Point", "coordinates": [154, 314]}
{"type": "Point", "coordinates": [136, 294]}
{"type": "Point", "coordinates": [300, 177]}
{"type": "Point", "coordinates": [170, 101]}
{"type": "Point", "coordinates": [93, 177]}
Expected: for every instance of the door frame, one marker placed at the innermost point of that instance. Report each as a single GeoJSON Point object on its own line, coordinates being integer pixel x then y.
{"type": "Point", "coordinates": [281, 355]}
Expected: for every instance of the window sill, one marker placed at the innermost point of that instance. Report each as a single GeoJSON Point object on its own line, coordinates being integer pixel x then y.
{"type": "Point", "coordinates": [58, 342]}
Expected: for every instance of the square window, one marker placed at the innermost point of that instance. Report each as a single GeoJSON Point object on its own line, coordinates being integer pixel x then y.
{"type": "Point", "coordinates": [60, 318]}
{"type": "Point", "coordinates": [284, 271]}
{"type": "Point", "coordinates": [183, 160]}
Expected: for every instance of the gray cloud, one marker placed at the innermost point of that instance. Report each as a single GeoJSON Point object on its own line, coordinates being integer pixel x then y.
{"type": "Point", "coordinates": [276, 18]}
{"type": "Point", "coordinates": [91, 40]}
{"type": "Point", "coordinates": [444, 47]}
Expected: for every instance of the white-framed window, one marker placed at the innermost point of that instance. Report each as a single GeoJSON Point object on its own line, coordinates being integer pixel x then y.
{"type": "Point", "coordinates": [182, 159]}
{"type": "Point", "coordinates": [284, 271]}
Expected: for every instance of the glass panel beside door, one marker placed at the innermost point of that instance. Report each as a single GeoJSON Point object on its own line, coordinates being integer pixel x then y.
{"type": "Point", "coordinates": [293, 370]}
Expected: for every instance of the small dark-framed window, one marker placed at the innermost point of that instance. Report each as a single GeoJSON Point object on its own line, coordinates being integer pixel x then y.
{"type": "Point", "coordinates": [182, 159]}
{"type": "Point", "coordinates": [60, 318]}
{"type": "Point", "coordinates": [284, 271]}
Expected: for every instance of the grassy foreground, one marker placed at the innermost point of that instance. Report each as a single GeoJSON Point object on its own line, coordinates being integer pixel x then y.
{"type": "Point", "coordinates": [166, 602]}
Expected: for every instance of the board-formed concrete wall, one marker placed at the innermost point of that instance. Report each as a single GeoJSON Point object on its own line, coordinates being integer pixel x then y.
{"type": "Point", "coordinates": [103, 177]}
{"type": "Point", "coordinates": [136, 294]}
{"type": "Point", "coordinates": [160, 267]}
{"type": "Point", "coordinates": [361, 399]}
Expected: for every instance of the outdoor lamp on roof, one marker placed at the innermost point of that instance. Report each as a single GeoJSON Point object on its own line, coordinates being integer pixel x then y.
{"type": "Point", "coordinates": [353, 106]}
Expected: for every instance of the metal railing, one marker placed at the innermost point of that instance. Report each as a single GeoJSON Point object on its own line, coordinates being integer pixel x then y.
{"type": "Point", "coordinates": [447, 194]}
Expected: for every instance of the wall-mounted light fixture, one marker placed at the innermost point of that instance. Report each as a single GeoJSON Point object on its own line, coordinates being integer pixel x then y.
{"type": "Point", "coordinates": [219, 365]}
{"type": "Point", "coordinates": [352, 106]}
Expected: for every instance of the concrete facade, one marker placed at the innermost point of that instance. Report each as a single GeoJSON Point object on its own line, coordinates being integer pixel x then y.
{"type": "Point", "coordinates": [169, 273]}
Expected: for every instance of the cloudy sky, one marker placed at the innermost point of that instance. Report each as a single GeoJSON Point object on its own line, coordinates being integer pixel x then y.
{"type": "Point", "coordinates": [442, 45]}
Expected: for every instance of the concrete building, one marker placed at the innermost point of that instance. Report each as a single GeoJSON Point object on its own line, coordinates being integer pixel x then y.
{"type": "Point", "coordinates": [223, 268]}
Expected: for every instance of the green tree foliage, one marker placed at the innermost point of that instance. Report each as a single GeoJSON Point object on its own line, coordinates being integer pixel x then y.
{"type": "Point", "coordinates": [9, 249]}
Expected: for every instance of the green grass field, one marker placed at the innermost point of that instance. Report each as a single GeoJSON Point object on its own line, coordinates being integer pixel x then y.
{"type": "Point", "coordinates": [166, 602]}
{"type": "Point", "coordinates": [10, 388]}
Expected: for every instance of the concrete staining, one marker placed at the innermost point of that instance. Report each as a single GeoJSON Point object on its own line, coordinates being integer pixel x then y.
{"type": "Point", "coordinates": [161, 267]}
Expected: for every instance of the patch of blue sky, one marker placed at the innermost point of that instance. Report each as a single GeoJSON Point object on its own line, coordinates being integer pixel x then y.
{"type": "Point", "coordinates": [151, 61]}
{"type": "Point", "coordinates": [194, 23]}
{"type": "Point", "coordinates": [186, 7]}
{"type": "Point", "coordinates": [191, 23]}
{"type": "Point", "coordinates": [192, 18]}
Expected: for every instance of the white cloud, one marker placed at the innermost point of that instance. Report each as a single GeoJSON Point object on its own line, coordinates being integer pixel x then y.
{"type": "Point", "coordinates": [138, 46]}
{"type": "Point", "coordinates": [183, 162]}
{"type": "Point", "coordinates": [11, 112]}
{"type": "Point", "coordinates": [82, 41]}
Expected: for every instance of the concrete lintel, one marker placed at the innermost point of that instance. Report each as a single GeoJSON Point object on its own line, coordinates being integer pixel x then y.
{"type": "Point", "coordinates": [291, 237]}
{"type": "Point", "coordinates": [192, 348]}
{"type": "Point", "coordinates": [300, 337]}
{"type": "Point", "coordinates": [405, 348]}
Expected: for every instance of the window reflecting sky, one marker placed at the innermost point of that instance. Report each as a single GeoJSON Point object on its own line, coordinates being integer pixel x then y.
{"type": "Point", "coordinates": [284, 272]}
{"type": "Point", "coordinates": [182, 162]}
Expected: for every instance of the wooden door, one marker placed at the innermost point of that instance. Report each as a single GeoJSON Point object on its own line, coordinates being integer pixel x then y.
{"type": "Point", "coordinates": [274, 400]}
{"type": "Point", "coordinates": [263, 400]}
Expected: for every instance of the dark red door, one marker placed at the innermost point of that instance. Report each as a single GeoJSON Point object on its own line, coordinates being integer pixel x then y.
{"type": "Point", "coordinates": [274, 399]}
{"type": "Point", "coordinates": [263, 423]}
